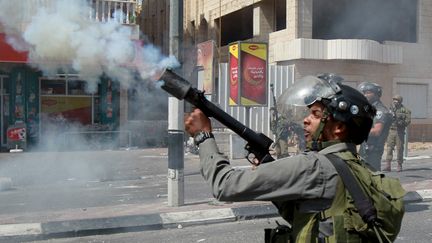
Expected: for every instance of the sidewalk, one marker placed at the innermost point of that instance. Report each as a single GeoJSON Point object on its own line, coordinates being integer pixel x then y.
{"type": "Point", "coordinates": [132, 217]}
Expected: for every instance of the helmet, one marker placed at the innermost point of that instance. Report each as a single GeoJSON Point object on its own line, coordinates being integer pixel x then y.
{"type": "Point", "coordinates": [344, 103]}
{"type": "Point", "coordinates": [372, 87]}
{"type": "Point", "coordinates": [398, 98]}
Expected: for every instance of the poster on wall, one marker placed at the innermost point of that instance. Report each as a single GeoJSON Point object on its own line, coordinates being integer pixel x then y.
{"type": "Point", "coordinates": [233, 74]}
{"type": "Point", "coordinates": [248, 73]}
{"type": "Point", "coordinates": [205, 59]}
{"type": "Point", "coordinates": [54, 109]}
{"type": "Point", "coordinates": [253, 66]}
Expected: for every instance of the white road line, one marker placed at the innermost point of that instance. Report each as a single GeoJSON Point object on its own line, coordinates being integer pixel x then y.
{"type": "Point", "coordinates": [425, 194]}
{"type": "Point", "coordinates": [20, 229]}
{"type": "Point", "coordinates": [418, 157]}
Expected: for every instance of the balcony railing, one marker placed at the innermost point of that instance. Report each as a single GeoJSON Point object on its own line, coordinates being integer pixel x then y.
{"type": "Point", "coordinates": [124, 12]}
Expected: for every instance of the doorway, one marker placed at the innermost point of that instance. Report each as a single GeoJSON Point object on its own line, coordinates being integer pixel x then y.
{"type": "Point", "coordinates": [4, 108]}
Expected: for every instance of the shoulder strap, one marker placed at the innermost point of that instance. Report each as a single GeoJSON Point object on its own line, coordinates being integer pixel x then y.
{"type": "Point", "coordinates": [362, 202]}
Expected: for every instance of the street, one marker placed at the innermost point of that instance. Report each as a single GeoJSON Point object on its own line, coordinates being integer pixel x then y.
{"type": "Point", "coordinates": [415, 229]}
{"type": "Point", "coordinates": [49, 187]}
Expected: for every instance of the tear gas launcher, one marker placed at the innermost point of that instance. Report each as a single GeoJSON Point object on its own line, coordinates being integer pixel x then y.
{"type": "Point", "coordinates": [257, 145]}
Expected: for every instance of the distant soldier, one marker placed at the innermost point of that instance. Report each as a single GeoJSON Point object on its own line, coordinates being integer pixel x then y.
{"type": "Point", "coordinates": [401, 118]}
{"type": "Point", "coordinates": [279, 127]}
{"type": "Point", "coordinates": [287, 132]}
{"type": "Point", "coordinates": [373, 149]}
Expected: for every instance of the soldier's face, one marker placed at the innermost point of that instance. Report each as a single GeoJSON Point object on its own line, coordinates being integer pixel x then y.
{"type": "Point", "coordinates": [370, 96]}
{"type": "Point", "coordinates": [312, 121]}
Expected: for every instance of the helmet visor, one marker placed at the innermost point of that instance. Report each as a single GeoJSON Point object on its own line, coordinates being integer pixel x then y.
{"type": "Point", "coordinates": [307, 91]}
{"type": "Point", "coordinates": [294, 101]}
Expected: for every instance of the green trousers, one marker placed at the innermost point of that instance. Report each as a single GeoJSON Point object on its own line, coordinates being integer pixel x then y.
{"type": "Point", "coordinates": [396, 138]}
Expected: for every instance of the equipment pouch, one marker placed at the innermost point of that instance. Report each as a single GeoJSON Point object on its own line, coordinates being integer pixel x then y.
{"type": "Point", "coordinates": [280, 234]}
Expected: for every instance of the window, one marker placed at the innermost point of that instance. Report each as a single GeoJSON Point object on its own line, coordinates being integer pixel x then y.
{"type": "Point", "coordinates": [236, 26]}
{"type": "Point", "coordinates": [53, 87]}
{"type": "Point", "coordinates": [77, 87]}
{"type": "Point", "coordinates": [380, 20]}
{"type": "Point", "coordinates": [67, 99]}
{"type": "Point", "coordinates": [280, 14]}
{"type": "Point", "coordinates": [415, 98]}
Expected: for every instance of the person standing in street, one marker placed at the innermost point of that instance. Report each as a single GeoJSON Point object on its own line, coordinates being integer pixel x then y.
{"type": "Point", "coordinates": [401, 118]}
{"type": "Point", "coordinates": [279, 127]}
{"type": "Point", "coordinates": [306, 185]}
{"type": "Point", "coordinates": [372, 150]}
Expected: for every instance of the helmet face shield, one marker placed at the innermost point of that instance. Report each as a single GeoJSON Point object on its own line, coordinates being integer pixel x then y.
{"type": "Point", "coordinates": [370, 87]}
{"type": "Point", "coordinates": [294, 101]}
{"type": "Point", "coordinates": [307, 91]}
{"type": "Point", "coordinates": [343, 103]}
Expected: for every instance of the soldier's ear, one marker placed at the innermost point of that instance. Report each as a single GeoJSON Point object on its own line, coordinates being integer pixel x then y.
{"type": "Point", "coordinates": [340, 129]}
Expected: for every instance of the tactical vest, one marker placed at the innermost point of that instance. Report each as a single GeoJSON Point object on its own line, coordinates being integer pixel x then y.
{"type": "Point", "coordinates": [402, 118]}
{"type": "Point", "coordinates": [378, 141]}
{"type": "Point", "coordinates": [341, 222]}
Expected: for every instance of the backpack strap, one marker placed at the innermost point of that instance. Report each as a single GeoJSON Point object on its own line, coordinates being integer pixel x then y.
{"type": "Point", "coordinates": [361, 201]}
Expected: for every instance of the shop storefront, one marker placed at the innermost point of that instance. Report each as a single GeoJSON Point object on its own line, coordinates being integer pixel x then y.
{"type": "Point", "coordinates": [54, 109]}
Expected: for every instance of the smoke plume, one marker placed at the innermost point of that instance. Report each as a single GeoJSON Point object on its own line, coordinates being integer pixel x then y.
{"type": "Point", "coordinates": [63, 34]}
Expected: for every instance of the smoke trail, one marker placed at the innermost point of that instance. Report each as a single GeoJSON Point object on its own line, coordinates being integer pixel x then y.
{"type": "Point", "coordinates": [61, 34]}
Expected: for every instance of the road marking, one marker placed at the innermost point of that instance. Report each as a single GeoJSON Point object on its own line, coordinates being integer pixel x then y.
{"type": "Point", "coordinates": [425, 194]}
{"type": "Point", "coordinates": [418, 157]}
{"type": "Point", "coordinates": [199, 215]}
{"type": "Point", "coordinates": [154, 156]}
{"type": "Point", "coordinates": [20, 229]}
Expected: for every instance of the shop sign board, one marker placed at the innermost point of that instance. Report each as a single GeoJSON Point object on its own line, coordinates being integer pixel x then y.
{"type": "Point", "coordinates": [248, 73]}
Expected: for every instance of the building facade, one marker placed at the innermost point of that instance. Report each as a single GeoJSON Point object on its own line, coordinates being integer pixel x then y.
{"type": "Point", "coordinates": [58, 107]}
{"type": "Point", "coordinates": [387, 42]}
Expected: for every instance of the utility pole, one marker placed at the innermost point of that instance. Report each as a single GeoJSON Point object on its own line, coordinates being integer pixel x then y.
{"type": "Point", "coordinates": [175, 114]}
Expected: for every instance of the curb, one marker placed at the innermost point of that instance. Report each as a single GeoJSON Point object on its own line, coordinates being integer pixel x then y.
{"type": "Point", "coordinates": [82, 227]}
{"type": "Point", "coordinates": [418, 196]}
{"type": "Point", "coordinates": [55, 229]}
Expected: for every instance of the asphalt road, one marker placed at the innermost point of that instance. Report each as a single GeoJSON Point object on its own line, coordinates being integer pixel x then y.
{"type": "Point", "coordinates": [57, 181]}
{"type": "Point", "coordinates": [415, 229]}
{"type": "Point", "coordinates": [45, 182]}
{"type": "Point", "coordinates": [79, 180]}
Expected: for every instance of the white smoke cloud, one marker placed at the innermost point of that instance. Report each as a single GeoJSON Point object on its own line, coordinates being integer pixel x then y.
{"type": "Point", "coordinates": [61, 34]}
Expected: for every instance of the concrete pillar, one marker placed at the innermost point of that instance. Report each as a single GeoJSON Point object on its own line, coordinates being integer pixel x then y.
{"type": "Point", "coordinates": [299, 18]}
{"type": "Point", "coordinates": [124, 136]}
{"type": "Point", "coordinates": [263, 20]}
{"type": "Point", "coordinates": [175, 115]}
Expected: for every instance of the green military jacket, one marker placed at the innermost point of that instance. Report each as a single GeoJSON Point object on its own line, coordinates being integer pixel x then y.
{"type": "Point", "coordinates": [299, 186]}
{"type": "Point", "coordinates": [401, 117]}
{"type": "Point", "coordinates": [302, 177]}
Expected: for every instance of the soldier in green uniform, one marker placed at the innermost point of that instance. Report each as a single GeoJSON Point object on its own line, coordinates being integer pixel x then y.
{"type": "Point", "coordinates": [279, 127]}
{"type": "Point", "coordinates": [372, 150]}
{"type": "Point", "coordinates": [287, 133]}
{"type": "Point", "coordinates": [401, 118]}
{"type": "Point", "coordinates": [301, 186]}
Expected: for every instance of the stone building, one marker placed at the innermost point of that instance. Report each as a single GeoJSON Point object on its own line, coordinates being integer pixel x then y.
{"type": "Point", "coordinates": [387, 41]}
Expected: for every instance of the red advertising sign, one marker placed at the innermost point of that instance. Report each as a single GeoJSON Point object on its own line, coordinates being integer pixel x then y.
{"type": "Point", "coordinates": [16, 134]}
{"type": "Point", "coordinates": [234, 74]}
{"type": "Point", "coordinates": [253, 66]}
{"type": "Point", "coordinates": [248, 74]}
{"type": "Point", "coordinates": [205, 55]}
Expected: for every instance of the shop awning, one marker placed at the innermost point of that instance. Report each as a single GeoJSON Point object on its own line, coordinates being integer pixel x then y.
{"type": "Point", "coordinates": [9, 54]}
